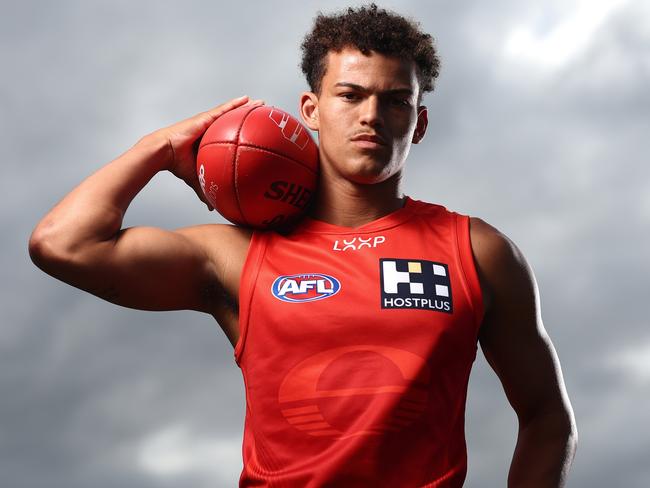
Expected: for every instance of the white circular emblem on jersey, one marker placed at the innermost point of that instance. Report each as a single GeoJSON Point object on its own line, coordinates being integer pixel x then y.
{"type": "Point", "coordinates": [305, 287]}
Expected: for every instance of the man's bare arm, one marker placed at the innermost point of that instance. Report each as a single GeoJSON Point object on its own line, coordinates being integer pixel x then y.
{"type": "Point", "coordinates": [80, 241]}
{"type": "Point", "coordinates": [517, 347]}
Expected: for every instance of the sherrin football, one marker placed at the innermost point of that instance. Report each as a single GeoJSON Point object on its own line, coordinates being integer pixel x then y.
{"type": "Point", "coordinates": [258, 166]}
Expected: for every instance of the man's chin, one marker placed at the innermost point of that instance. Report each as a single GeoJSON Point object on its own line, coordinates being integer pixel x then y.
{"type": "Point", "coordinates": [369, 176]}
{"type": "Point", "coordinates": [365, 170]}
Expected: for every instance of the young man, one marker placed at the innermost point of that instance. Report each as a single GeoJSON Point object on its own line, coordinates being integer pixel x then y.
{"type": "Point", "coordinates": [356, 330]}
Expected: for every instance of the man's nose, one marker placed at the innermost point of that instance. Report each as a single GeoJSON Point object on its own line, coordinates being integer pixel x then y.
{"type": "Point", "coordinates": [371, 112]}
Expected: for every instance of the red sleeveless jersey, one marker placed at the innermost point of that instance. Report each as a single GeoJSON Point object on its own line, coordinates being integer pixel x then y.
{"type": "Point", "coordinates": [356, 346]}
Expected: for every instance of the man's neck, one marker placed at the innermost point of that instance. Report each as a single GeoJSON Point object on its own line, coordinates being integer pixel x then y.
{"type": "Point", "coordinates": [347, 204]}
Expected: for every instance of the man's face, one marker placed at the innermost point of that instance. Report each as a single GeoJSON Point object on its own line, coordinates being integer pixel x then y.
{"type": "Point", "coordinates": [366, 115]}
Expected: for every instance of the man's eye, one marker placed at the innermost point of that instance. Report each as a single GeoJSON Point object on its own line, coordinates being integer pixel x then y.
{"type": "Point", "coordinates": [349, 96]}
{"type": "Point", "coordinates": [403, 102]}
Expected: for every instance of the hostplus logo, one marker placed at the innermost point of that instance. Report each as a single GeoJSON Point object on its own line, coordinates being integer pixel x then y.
{"type": "Point", "coordinates": [419, 284]}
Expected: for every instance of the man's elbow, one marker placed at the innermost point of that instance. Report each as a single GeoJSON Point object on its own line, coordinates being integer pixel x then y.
{"type": "Point", "coordinates": [48, 250]}
{"type": "Point", "coordinates": [570, 429]}
{"type": "Point", "coordinates": [40, 248]}
{"type": "Point", "coordinates": [557, 422]}
{"type": "Point", "coordinates": [566, 429]}
{"type": "Point", "coordinates": [570, 447]}
{"type": "Point", "coordinates": [558, 427]}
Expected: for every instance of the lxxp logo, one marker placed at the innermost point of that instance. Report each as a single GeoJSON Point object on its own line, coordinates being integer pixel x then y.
{"type": "Point", "coordinates": [411, 283]}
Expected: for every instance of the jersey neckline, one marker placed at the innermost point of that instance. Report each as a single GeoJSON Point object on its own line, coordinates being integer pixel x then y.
{"type": "Point", "coordinates": [392, 219]}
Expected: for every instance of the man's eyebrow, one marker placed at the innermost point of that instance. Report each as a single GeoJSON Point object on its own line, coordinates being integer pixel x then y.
{"type": "Point", "coordinates": [394, 91]}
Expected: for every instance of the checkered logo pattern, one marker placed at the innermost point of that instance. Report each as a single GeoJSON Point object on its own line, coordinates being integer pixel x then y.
{"type": "Point", "coordinates": [415, 283]}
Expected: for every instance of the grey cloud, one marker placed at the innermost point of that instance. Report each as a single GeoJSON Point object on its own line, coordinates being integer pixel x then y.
{"type": "Point", "coordinates": [555, 160]}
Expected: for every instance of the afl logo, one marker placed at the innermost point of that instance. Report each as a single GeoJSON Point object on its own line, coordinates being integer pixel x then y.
{"type": "Point", "coordinates": [305, 287]}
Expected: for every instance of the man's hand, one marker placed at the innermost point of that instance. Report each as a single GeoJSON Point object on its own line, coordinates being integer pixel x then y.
{"type": "Point", "coordinates": [183, 138]}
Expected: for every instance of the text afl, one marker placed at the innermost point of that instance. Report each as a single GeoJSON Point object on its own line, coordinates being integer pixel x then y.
{"type": "Point", "coordinates": [306, 287]}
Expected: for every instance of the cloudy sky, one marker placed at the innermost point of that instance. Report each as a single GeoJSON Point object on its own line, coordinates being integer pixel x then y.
{"type": "Point", "coordinates": [539, 125]}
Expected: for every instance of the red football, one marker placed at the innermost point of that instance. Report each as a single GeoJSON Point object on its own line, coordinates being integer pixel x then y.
{"type": "Point", "coordinates": [258, 166]}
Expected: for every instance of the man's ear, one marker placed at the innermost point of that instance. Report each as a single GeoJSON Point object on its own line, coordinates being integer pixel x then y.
{"type": "Point", "coordinates": [309, 110]}
{"type": "Point", "coordinates": [421, 126]}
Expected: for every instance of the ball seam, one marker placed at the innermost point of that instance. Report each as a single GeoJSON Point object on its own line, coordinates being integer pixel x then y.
{"type": "Point", "coordinates": [236, 166]}
{"type": "Point", "coordinates": [264, 149]}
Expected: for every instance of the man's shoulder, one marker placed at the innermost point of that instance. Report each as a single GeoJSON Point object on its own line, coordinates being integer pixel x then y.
{"type": "Point", "coordinates": [489, 244]}
{"type": "Point", "coordinates": [500, 263]}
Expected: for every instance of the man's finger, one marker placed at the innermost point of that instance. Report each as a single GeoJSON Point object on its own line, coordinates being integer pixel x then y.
{"type": "Point", "coordinates": [221, 109]}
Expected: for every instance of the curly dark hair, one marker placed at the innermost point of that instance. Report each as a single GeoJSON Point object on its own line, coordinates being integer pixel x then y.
{"type": "Point", "coordinates": [368, 29]}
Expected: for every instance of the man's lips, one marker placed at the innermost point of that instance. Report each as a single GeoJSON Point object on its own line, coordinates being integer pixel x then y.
{"type": "Point", "coordinates": [374, 139]}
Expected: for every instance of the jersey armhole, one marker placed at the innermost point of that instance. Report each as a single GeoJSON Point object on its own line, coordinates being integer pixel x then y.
{"type": "Point", "coordinates": [468, 267]}
{"type": "Point", "coordinates": [250, 271]}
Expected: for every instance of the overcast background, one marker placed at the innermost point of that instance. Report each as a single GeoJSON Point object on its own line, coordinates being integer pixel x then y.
{"type": "Point", "coordinates": [539, 124]}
